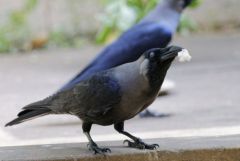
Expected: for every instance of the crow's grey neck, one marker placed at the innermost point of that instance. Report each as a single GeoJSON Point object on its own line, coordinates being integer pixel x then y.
{"type": "Point", "coordinates": [165, 14]}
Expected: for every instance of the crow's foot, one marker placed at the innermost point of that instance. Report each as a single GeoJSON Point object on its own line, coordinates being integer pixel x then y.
{"type": "Point", "coordinates": [96, 150]}
{"type": "Point", "coordinates": [139, 144]}
{"type": "Point", "coordinates": [149, 113]}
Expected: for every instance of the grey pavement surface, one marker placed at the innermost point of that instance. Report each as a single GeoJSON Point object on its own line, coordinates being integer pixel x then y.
{"type": "Point", "coordinates": [205, 102]}
{"type": "Point", "coordinates": [169, 148]}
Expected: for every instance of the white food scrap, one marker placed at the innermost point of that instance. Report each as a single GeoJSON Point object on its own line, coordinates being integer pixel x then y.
{"type": "Point", "coordinates": [184, 56]}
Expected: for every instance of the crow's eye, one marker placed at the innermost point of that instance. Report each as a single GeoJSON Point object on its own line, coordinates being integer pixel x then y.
{"type": "Point", "coordinates": [151, 55]}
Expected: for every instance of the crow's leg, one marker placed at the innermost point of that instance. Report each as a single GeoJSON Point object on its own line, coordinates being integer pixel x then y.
{"type": "Point", "coordinates": [137, 142]}
{"type": "Point", "coordinates": [92, 146]}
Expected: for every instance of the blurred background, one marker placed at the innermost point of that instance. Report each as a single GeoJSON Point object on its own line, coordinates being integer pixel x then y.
{"type": "Point", "coordinates": [44, 43]}
{"type": "Point", "coordinates": [32, 24]}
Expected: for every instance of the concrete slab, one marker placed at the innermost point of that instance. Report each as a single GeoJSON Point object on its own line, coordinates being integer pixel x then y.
{"type": "Point", "coordinates": [191, 149]}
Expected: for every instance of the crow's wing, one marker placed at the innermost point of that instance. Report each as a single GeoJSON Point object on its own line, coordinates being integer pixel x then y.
{"type": "Point", "coordinates": [96, 96]}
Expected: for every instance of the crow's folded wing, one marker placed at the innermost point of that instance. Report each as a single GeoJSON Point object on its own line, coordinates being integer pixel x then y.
{"type": "Point", "coordinates": [96, 96]}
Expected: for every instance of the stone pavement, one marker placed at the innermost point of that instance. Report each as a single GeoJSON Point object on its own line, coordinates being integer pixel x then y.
{"type": "Point", "coordinates": [204, 104]}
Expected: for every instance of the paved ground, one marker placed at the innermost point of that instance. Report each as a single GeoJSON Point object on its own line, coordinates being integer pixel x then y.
{"type": "Point", "coordinates": [205, 102]}
{"type": "Point", "coordinates": [172, 149]}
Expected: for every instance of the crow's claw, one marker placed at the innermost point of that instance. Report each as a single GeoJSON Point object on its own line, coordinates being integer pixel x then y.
{"type": "Point", "coordinates": [96, 150]}
{"type": "Point", "coordinates": [139, 144]}
{"type": "Point", "coordinates": [153, 114]}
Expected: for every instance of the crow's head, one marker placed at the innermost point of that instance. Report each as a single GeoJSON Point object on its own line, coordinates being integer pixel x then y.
{"type": "Point", "coordinates": [179, 5]}
{"type": "Point", "coordinates": [156, 62]}
{"type": "Point", "coordinates": [162, 55]}
{"type": "Point", "coordinates": [188, 2]}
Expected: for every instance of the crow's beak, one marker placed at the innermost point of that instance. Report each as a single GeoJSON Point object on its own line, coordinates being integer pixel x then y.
{"type": "Point", "coordinates": [170, 52]}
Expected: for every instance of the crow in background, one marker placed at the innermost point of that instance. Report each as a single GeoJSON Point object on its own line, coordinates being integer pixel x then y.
{"type": "Point", "coordinates": [110, 96]}
{"type": "Point", "coordinates": [153, 31]}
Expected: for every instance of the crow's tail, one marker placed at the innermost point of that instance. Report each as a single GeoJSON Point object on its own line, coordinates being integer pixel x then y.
{"type": "Point", "coordinates": [30, 112]}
